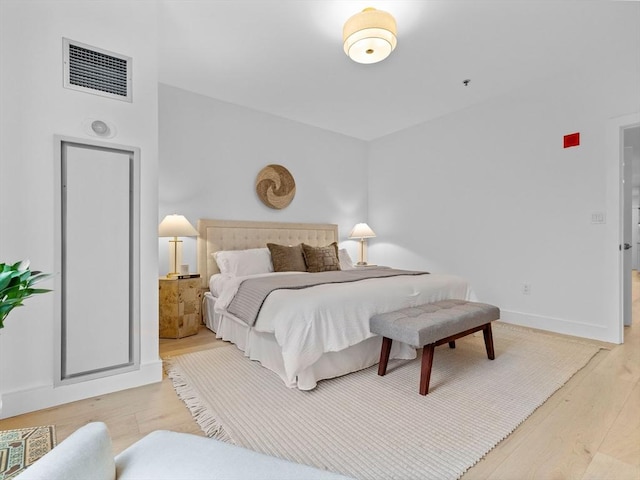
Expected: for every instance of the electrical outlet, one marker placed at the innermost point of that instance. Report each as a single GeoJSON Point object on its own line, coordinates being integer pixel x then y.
{"type": "Point", "coordinates": [526, 289]}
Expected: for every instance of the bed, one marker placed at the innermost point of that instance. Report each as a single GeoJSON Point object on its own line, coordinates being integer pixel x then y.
{"type": "Point", "coordinates": [307, 334]}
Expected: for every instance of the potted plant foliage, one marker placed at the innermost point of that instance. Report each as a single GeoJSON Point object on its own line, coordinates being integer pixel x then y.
{"type": "Point", "coordinates": [16, 285]}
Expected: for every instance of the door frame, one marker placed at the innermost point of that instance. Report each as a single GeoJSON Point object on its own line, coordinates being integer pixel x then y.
{"type": "Point", "coordinates": [614, 277]}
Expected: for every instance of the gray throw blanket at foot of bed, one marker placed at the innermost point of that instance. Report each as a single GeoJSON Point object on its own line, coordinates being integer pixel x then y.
{"type": "Point", "coordinates": [252, 293]}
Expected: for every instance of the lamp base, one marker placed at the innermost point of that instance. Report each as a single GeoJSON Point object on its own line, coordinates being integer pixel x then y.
{"type": "Point", "coordinates": [362, 264]}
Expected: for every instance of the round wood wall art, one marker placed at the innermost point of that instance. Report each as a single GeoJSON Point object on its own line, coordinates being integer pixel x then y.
{"type": "Point", "coordinates": [275, 186]}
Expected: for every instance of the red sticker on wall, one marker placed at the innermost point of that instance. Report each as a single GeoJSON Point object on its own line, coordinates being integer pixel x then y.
{"type": "Point", "coordinates": [572, 140]}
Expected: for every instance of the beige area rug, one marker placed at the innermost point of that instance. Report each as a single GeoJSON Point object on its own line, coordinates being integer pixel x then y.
{"type": "Point", "coordinates": [20, 448]}
{"type": "Point", "coordinates": [372, 427]}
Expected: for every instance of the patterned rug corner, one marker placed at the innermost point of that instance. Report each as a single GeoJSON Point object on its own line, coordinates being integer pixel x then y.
{"type": "Point", "coordinates": [20, 448]}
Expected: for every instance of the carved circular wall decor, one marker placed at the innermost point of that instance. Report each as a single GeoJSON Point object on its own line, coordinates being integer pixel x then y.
{"type": "Point", "coordinates": [275, 186]}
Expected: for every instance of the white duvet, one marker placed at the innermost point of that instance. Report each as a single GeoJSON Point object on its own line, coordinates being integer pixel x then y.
{"type": "Point", "coordinates": [328, 318]}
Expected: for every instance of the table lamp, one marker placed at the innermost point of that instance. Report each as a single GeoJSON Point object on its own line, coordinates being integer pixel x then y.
{"type": "Point", "coordinates": [362, 231]}
{"type": "Point", "coordinates": [175, 226]}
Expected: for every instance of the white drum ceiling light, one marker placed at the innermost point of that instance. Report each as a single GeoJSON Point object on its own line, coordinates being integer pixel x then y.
{"type": "Point", "coordinates": [369, 36]}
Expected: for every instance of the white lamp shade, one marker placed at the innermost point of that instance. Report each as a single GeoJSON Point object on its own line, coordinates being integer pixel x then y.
{"type": "Point", "coordinates": [176, 226]}
{"type": "Point", "coordinates": [369, 36]}
{"type": "Point", "coordinates": [362, 230]}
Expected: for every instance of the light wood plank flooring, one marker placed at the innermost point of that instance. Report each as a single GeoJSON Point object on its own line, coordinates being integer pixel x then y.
{"type": "Point", "coordinates": [589, 429]}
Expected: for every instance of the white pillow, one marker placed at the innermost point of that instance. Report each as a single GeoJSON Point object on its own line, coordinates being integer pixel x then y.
{"type": "Point", "coordinates": [345, 260]}
{"type": "Point", "coordinates": [215, 283]}
{"type": "Point", "coordinates": [244, 262]}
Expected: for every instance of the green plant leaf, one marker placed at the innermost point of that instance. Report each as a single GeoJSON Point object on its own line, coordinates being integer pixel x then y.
{"type": "Point", "coordinates": [5, 278]}
{"type": "Point", "coordinates": [39, 290]}
{"type": "Point", "coordinates": [12, 302]}
{"type": "Point", "coordinates": [15, 286]}
{"type": "Point", "coordinates": [39, 277]}
{"type": "Point", "coordinates": [5, 308]}
{"type": "Point", "coordinates": [13, 290]}
{"type": "Point", "coordinates": [21, 265]}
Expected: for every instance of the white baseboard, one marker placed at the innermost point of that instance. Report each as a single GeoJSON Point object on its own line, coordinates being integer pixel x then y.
{"type": "Point", "coordinates": [30, 400]}
{"type": "Point", "coordinates": [559, 325]}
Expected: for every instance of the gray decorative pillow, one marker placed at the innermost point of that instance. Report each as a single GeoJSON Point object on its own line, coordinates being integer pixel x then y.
{"type": "Point", "coordinates": [321, 259]}
{"type": "Point", "coordinates": [287, 259]}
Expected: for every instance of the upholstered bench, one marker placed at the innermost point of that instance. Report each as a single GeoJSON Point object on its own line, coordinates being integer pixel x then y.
{"type": "Point", "coordinates": [430, 325]}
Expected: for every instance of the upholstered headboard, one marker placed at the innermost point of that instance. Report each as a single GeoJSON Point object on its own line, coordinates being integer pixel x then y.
{"type": "Point", "coordinates": [215, 235]}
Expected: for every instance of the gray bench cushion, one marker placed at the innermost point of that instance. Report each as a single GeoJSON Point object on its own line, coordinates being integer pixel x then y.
{"type": "Point", "coordinates": [428, 323]}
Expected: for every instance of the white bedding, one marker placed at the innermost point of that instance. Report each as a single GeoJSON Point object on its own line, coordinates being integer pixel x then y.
{"type": "Point", "coordinates": [308, 323]}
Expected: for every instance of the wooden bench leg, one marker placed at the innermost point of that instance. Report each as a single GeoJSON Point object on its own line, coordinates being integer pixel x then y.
{"type": "Point", "coordinates": [488, 341]}
{"type": "Point", "coordinates": [425, 372]}
{"type": "Point", "coordinates": [384, 355]}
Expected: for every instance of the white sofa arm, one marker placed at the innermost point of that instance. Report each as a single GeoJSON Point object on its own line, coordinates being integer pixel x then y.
{"type": "Point", "coordinates": [86, 453]}
{"type": "Point", "coordinates": [170, 455]}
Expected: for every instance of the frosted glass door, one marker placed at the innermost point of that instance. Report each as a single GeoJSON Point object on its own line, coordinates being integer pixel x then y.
{"type": "Point", "coordinates": [97, 253]}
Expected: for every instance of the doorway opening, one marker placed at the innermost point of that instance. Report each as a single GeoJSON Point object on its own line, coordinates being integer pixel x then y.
{"type": "Point", "coordinates": [630, 247]}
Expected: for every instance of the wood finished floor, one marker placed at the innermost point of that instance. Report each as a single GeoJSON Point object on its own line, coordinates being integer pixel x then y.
{"type": "Point", "coordinates": [588, 430]}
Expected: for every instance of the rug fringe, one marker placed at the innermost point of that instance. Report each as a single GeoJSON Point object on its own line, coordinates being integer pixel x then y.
{"type": "Point", "coordinates": [207, 421]}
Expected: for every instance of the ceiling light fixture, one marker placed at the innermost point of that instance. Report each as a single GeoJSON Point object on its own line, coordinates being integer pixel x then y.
{"type": "Point", "coordinates": [369, 36]}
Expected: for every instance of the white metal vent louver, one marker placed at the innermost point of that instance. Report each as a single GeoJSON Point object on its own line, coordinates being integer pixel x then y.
{"type": "Point", "coordinates": [93, 70]}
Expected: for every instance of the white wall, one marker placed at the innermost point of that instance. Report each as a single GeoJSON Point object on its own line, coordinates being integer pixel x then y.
{"type": "Point", "coordinates": [35, 107]}
{"type": "Point", "coordinates": [211, 152]}
{"type": "Point", "coordinates": [490, 194]}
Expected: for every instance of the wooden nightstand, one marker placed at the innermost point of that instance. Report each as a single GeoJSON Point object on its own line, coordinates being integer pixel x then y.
{"type": "Point", "coordinates": [180, 303]}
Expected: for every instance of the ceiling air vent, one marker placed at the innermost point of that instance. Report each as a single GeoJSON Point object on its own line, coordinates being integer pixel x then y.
{"type": "Point", "coordinates": [93, 70]}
